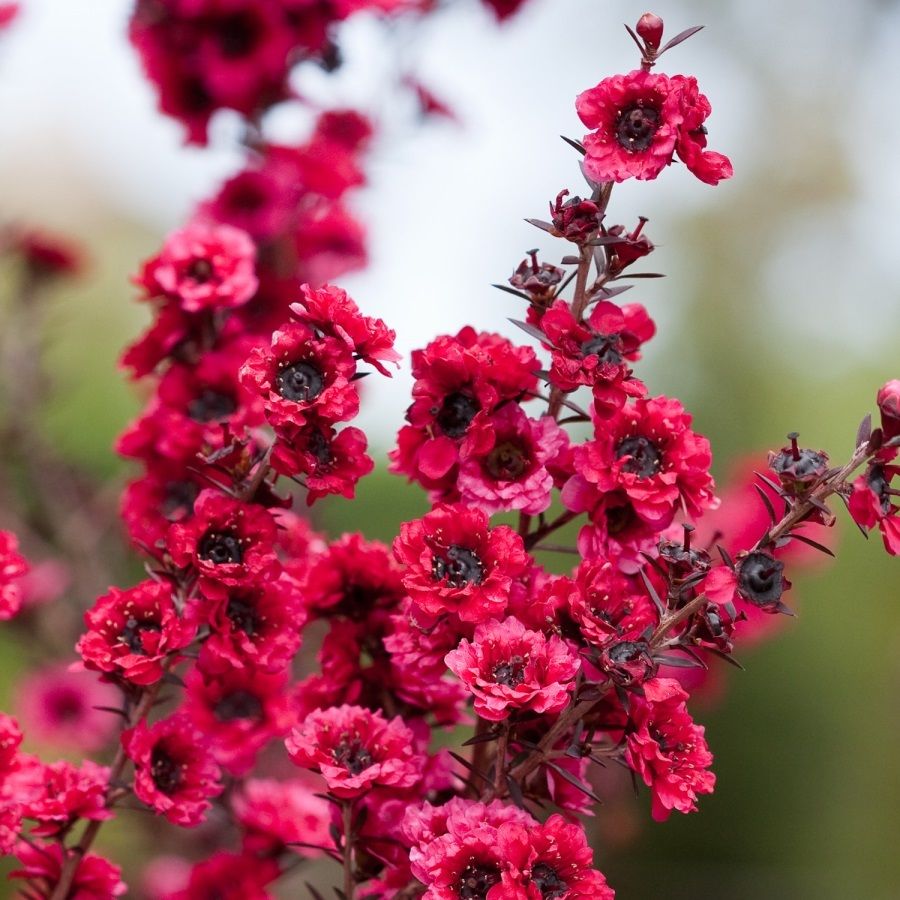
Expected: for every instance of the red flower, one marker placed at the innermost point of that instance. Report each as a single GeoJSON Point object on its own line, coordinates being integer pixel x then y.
{"type": "Point", "coordinates": [174, 773]}
{"type": "Point", "coordinates": [512, 473]}
{"type": "Point", "coordinates": [607, 606]}
{"type": "Point", "coordinates": [95, 877]}
{"type": "Point", "coordinates": [889, 407]}
{"type": "Point", "coordinates": [8, 12]}
{"type": "Point", "coordinates": [46, 255]}
{"type": "Point", "coordinates": [276, 814]}
{"type": "Point", "coordinates": [634, 121]}
{"type": "Point", "coordinates": [596, 353]}
{"type": "Point", "coordinates": [203, 267]}
{"type": "Point", "coordinates": [239, 711]}
{"type": "Point", "coordinates": [455, 564]}
{"type": "Point", "coordinates": [560, 864]}
{"type": "Point", "coordinates": [708, 166]}
{"type": "Point", "coordinates": [58, 794]}
{"type": "Point", "coordinates": [330, 311]}
{"type": "Point", "coordinates": [131, 632]}
{"type": "Point", "coordinates": [356, 749]}
{"type": "Point", "coordinates": [325, 461]}
{"type": "Point", "coordinates": [352, 578]}
{"type": "Point", "coordinates": [228, 542]}
{"type": "Point", "coordinates": [459, 382]}
{"type": "Point", "coordinates": [60, 707]}
{"type": "Point", "coordinates": [12, 567]}
{"type": "Point", "coordinates": [302, 375]}
{"type": "Point", "coordinates": [256, 625]}
{"type": "Point", "coordinates": [666, 748]}
{"type": "Point", "coordinates": [509, 668]}
{"type": "Point", "coordinates": [871, 504]}
{"type": "Point", "coordinates": [229, 876]}
{"type": "Point", "coordinates": [649, 452]}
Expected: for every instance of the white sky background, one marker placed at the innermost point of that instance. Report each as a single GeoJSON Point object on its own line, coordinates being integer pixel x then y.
{"type": "Point", "coordinates": [446, 203]}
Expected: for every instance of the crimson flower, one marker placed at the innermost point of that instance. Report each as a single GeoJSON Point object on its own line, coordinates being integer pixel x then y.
{"type": "Point", "coordinates": [12, 567]}
{"type": "Point", "coordinates": [508, 668]}
{"type": "Point", "coordinates": [356, 749]}
{"type": "Point", "coordinates": [454, 563]}
{"type": "Point", "coordinates": [95, 878]}
{"type": "Point", "coordinates": [871, 504]}
{"type": "Point", "coordinates": [667, 749]}
{"type": "Point", "coordinates": [174, 773]}
{"type": "Point", "coordinates": [131, 632]}
{"type": "Point", "coordinates": [228, 542]}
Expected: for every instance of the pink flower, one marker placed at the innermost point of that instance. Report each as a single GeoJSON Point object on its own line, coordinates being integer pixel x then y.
{"type": "Point", "coordinates": [203, 267]}
{"type": "Point", "coordinates": [174, 773]}
{"type": "Point", "coordinates": [229, 876]}
{"type": "Point", "coordinates": [12, 568]}
{"type": "Point", "coordinates": [256, 625]}
{"type": "Point", "coordinates": [667, 750]}
{"type": "Point", "coordinates": [130, 633]}
{"type": "Point", "coordinates": [302, 375]}
{"type": "Point", "coordinates": [512, 473]}
{"type": "Point", "coordinates": [239, 711]}
{"type": "Point", "coordinates": [455, 564]}
{"type": "Point", "coordinates": [228, 542]}
{"type": "Point", "coordinates": [95, 877]}
{"type": "Point", "coordinates": [60, 706]}
{"type": "Point", "coordinates": [634, 121]}
{"type": "Point", "coordinates": [708, 166]}
{"type": "Point", "coordinates": [57, 794]}
{"type": "Point", "coordinates": [889, 406]}
{"type": "Point", "coordinates": [509, 668]}
{"type": "Point", "coordinates": [649, 452]}
{"type": "Point", "coordinates": [356, 749]}
{"type": "Point", "coordinates": [871, 504]}
{"type": "Point", "coordinates": [277, 814]}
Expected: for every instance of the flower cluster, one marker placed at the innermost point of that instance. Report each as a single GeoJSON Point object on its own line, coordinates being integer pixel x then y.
{"type": "Point", "coordinates": [256, 364]}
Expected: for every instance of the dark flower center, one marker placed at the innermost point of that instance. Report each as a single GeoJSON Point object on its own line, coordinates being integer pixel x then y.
{"type": "Point", "coordinates": [456, 414]}
{"type": "Point", "coordinates": [352, 755]}
{"type": "Point", "coordinates": [644, 456]}
{"type": "Point", "coordinates": [627, 651]}
{"type": "Point", "coordinates": [194, 96]}
{"type": "Point", "coordinates": [243, 615]}
{"type": "Point", "coordinates": [636, 126]}
{"type": "Point", "coordinates": [879, 485]}
{"type": "Point", "coordinates": [239, 705]}
{"type": "Point", "coordinates": [211, 406]}
{"type": "Point", "coordinates": [606, 347]}
{"type": "Point", "coordinates": [200, 270]}
{"type": "Point", "coordinates": [510, 673]}
{"type": "Point", "coordinates": [221, 547]}
{"type": "Point", "coordinates": [808, 466]}
{"type": "Point", "coordinates": [620, 518]}
{"type": "Point", "coordinates": [165, 772]}
{"type": "Point", "coordinates": [459, 566]}
{"type": "Point", "coordinates": [66, 705]}
{"type": "Point", "coordinates": [477, 879]}
{"type": "Point", "coordinates": [238, 35]}
{"type": "Point", "coordinates": [320, 447]}
{"type": "Point", "coordinates": [760, 579]}
{"type": "Point", "coordinates": [507, 461]}
{"type": "Point", "coordinates": [133, 631]}
{"type": "Point", "coordinates": [300, 382]}
{"type": "Point", "coordinates": [548, 882]}
{"type": "Point", "coordinates": [179, 499]}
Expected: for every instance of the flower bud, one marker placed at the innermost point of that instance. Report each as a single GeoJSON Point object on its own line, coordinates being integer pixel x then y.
{"type": "Point", "coordinates": [537, 279]}
{"type": "Point", "coordinates": [889, 405]}
{"type": "Point", "coordinates": [650, 28]}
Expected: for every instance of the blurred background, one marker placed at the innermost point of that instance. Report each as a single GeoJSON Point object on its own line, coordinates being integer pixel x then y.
{"type": "Point", "coordinates": [780, 312]}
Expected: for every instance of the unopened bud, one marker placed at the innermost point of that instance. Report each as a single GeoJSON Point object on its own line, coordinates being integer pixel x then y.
{"type": "Point", "coordinates": [889, 405]}
{"type": "Point", "coordinates": [650, 28]}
